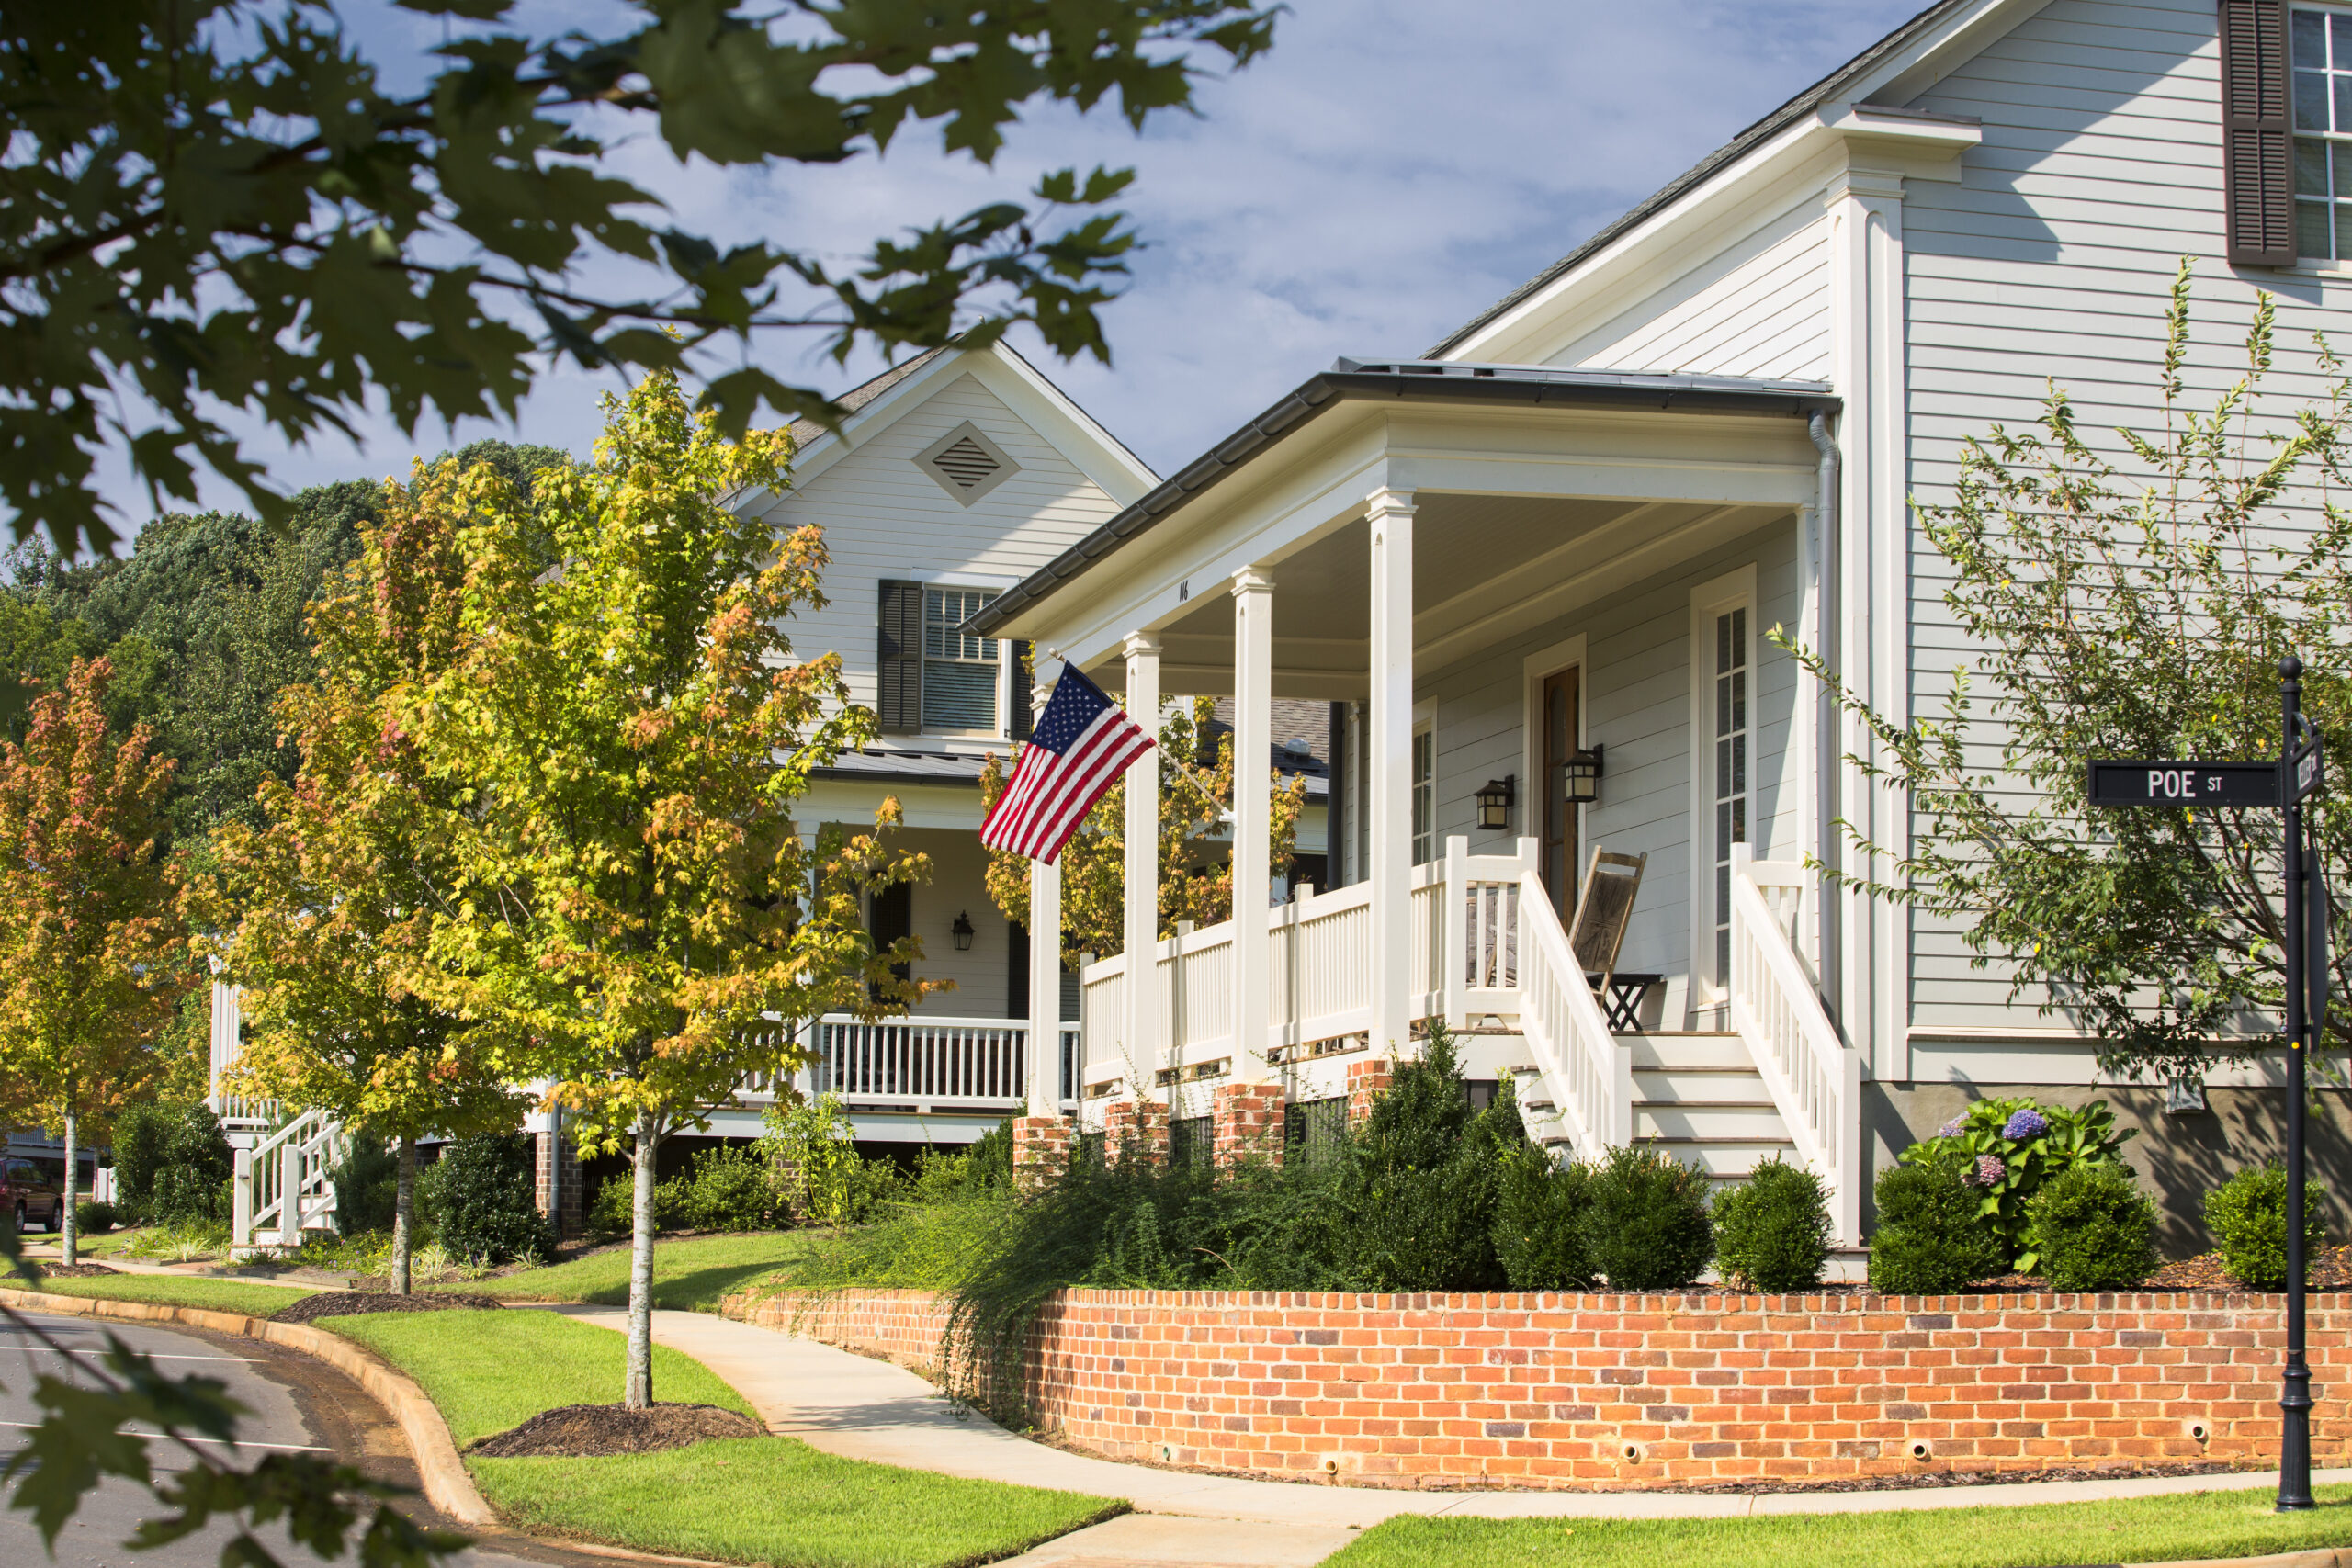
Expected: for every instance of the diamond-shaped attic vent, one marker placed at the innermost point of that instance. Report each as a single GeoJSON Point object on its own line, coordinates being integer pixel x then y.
{"type": "Point", "coordinates": [967, 464]}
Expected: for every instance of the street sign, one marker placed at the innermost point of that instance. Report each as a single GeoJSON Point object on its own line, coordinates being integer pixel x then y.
{"type": "Point", "coordinates": [2308, 772]}
{"type": "Point", "coordinates": [2188, 783]}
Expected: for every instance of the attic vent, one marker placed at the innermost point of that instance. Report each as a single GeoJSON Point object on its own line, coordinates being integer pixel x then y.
{"type": "Point", "coordinates": [967, 464]}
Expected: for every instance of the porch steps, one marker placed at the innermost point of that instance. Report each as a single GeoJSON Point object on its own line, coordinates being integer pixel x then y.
{"type": "Point", "coordinates": [1699, 1097]}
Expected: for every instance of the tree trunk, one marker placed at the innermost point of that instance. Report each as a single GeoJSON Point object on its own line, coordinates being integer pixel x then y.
{"type": "Point", "coordinates": [69, 1222]}
{"type": "Point", "coordinates": [640, 1392]}
{"type": "Point", "coordinates": [404, 1215]}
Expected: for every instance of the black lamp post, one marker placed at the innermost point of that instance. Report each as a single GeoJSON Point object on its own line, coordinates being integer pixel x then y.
{"type": "Point", "coordinates": [963, 932]}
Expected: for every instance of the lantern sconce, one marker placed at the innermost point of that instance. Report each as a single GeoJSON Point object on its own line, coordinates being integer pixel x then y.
{"type": "Point", "coordinates": [963, 932]}
{"type": "Point", "coordinates": [1581, 780]}
{"type": "Point", "coordinates": [1494, 805]}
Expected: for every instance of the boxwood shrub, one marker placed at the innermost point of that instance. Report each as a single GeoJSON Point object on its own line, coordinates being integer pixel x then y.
{"type": "Point", "coordinates": [2093, 1228]}
{"type": "Point", "coordinates": [1646, 1224]}
{"type": "Point", "coordinates": [2248, 1216]}
{"type": "Point", "coordinates": [1929, 1241]}
{"type": "Point", "coordinates": [1772, 1230]}
{"type": "Point", "coordinates": [481, 1198]}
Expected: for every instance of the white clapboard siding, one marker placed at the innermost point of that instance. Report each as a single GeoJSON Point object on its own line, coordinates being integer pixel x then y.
{"type": "Point", "coordinates": [2050, 260]}
{"type": "Point", "coordinates": [885, 517]}
{"type": "Point", "coordinates": [1761, 308]}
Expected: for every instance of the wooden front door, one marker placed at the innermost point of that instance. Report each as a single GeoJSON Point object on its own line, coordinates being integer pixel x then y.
{"type": "Point", "coordinates": [1563, 695]}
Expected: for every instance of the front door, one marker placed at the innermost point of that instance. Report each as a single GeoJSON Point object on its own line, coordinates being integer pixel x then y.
{"type": "Point", "coordinates": [1562, 723]}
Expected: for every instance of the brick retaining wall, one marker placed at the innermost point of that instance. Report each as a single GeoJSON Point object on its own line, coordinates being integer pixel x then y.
{"type": "Point", "coordinates": [1554, 1389]}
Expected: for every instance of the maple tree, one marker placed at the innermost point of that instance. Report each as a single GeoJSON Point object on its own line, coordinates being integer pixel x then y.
{"type": "Point", "coordinates": [88, 936]}
{"type": "Point", "coordinates": [1195, 870]}
{"type": "Point", "coordinates": [324, 914]}
{"type": "Point", "coordinates": [625, 729]}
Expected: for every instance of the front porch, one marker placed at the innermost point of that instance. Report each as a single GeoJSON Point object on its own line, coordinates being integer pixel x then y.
{"type": "Point", "coordinates": [1496, 569]}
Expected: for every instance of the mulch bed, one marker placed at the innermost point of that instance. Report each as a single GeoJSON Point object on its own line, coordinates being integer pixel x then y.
{"type": "Point", "coordinates": [347, 1303]}
{"type": "Point", "coordinates": [1929, 1480]}
{"type": "Point", "coordinates": [591, 1431]}
{"type": "Point", "coordinates": [73, 1272]}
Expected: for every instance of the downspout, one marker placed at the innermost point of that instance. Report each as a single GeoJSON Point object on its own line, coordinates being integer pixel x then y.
{"type": "Point", "coordinates": [1826, 727]}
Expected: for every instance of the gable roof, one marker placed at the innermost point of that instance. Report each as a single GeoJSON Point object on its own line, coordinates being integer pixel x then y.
{"type": "Point", "coordinates": [1824, 91]}
{"type": "Point", "coordinates": [803, 430]}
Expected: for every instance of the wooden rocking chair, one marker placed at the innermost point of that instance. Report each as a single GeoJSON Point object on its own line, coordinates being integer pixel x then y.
{"type": "Point", "coordinates": [1597, 929]}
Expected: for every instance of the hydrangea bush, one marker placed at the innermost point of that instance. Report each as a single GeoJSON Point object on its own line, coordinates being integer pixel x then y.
{"type": "Point", "coordinates": [2008, 1150]}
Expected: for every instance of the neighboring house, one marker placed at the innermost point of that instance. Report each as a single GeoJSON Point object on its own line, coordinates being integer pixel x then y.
{"type": "Point", "coordinates": [1560, 539]}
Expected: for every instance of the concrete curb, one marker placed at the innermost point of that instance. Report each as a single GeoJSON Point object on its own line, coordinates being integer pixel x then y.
{"type": "Point", "coordinates": [447, 1485]}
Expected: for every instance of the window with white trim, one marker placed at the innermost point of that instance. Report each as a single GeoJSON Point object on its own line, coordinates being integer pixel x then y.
{"type": "Point", "coordinates": [2320, 55]}
{"type": "Point", "coordinates": [1424, 793]}
{"type": "Point", "coordinates": [960, 671]}
{"type": "Point", "coordinates": [1729, 709]}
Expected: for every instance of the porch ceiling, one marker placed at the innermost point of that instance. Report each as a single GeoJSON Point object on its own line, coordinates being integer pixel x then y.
{"type": "Point", "coordinates": [1484, 569]}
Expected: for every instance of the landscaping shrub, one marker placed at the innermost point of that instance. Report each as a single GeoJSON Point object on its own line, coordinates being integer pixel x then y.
{"type": "Point", "coordinates": [1539, 1227]}
{"type": "Point", "coordinates": [722, 1188]}
{"type": "Point", "coordinates": [2093, 1228]}
{"type": "Point", "coordinates": [94, 1219]}
{"type": "Point", "coordinates": [2248, 1217]}
{"type": "Point", "coordinates": [821, 1179]}
{"type": "Point", "coordinates": [172, 1166]}
{"type": "Point", "coordinates": [367, 1186]}
{"type": "Point", "coordinates": [1772, 1230]}
{"type": "Point", "coordinates": [481, 1199]}
{"type": "Point", "coordinates": [1421, 1184]}
{"type": "Point", "coordinates": [1930, 1241]}
{"type": "Point", "coordinates": [2006, 1149]}
{"type": "Point", "coordinates": [1646, 1225]}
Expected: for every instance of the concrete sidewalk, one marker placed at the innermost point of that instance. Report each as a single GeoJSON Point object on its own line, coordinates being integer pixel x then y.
{"type": "Point", "coordinates": [860, 1408]}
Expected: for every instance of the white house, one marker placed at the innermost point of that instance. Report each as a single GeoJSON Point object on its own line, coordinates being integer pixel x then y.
{"type": "Point", "coordinates": [1563, 532]}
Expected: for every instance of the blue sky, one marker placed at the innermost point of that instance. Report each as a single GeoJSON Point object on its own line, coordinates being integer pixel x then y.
{"type": "Point", "coordinates": [1389, 170]}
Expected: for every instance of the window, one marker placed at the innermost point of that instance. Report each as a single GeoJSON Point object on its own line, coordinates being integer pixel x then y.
{"type": "Point", "coordinates": [1729, 769]}
{"type": "Point", "coordinates": [959, 671]}
{"type": "Point", "coordinates": [2319, 51]}
{"type": "Point", "coordinates": [1424, 794]}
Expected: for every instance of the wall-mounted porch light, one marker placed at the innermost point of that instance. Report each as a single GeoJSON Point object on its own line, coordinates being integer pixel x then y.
{"type": "Point", "coordinates": [1581, 782]}
{"type": "Point", "coordinates": [963, 932]}
{"type": "Point", "coordinates": [1494, 805]}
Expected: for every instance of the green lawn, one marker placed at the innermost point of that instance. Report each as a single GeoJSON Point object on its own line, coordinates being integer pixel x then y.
{"type": "Point", "coordinates": [690, 1274]}
{"type": "Point", "coordinates": [2145, 1530]}
{"type": "Point", "coordinates": [779, 1501]}
{"type": "Point", "coordinates": [769, 1500]}
{"type": "Point", "coordinates": [493, 1370]}
{"type": "Point", "coordinates": [174, 1290]}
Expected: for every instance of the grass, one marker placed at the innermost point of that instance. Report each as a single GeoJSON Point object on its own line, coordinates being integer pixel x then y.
{"type": "Point", "coordinates": [768, 1500]}
{"type": "Point", "coordinates": [2141, 1529]}
{"type": "Point", "coordinates": [690, 1274]}
{"type": "Point", "coordinates": [489, 1370]}
{"type": "Point", "coordinates": [174, 1290]}
{"type": "Point", "coordinates": [777, 1500]}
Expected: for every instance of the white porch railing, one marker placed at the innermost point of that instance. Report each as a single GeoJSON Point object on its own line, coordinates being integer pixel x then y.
{"type": "Point", "coordinates": [284, 1184]}
{"type": "Point", "coordinates": [923, 1064]}
{"type": "Point", "coordinates": [1813, 1078]}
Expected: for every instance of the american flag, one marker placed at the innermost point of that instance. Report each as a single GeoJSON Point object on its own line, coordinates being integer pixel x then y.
{"type": "Point", "coordinates": [1083, 742]}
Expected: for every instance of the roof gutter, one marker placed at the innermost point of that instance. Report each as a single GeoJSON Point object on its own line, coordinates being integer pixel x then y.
{"type": "Point", "coordinates": [1417, 381]}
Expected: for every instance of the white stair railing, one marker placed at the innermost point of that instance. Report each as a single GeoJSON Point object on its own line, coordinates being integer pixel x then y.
{"type": "Point", "coordinates": [284, 1184]}
{"type": "Point", "coordinates": [1589, 1075]}
{"type": "Point", "coordinates": [1813, 1078]}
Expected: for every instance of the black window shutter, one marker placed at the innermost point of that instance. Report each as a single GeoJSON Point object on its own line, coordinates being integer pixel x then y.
{"type": "Point", "coordinates": [890, 919]}
{"type": "Point", "coordinates": [898, 659]}
{"type": "Point", "coordinates": [1016, 970]}
{"type": "Point", "coordinates": [2257, 135]}
{"type": "Point", "coordinates": [1023, 685]}
{"type": "Point", "coordinates": [1335, 787]}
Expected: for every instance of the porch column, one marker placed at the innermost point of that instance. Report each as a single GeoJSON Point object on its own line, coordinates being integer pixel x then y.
{"type": "Point", "coordinates": [1253, 742]}
{"type": "Point", "coordinates": [1388, 766]}
{"type": "Point", "coordinates": [1139, 1031]}
{"type": "Point", "coordinates": [1045, 1087]}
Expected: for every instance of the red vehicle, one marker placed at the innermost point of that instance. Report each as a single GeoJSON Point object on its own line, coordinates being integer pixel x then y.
{"type": "Point", "coordinates": [31, 1193]}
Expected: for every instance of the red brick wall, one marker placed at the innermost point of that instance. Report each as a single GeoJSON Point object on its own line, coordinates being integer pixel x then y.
{"type": "Point", "coordinates": [1551, 1389]}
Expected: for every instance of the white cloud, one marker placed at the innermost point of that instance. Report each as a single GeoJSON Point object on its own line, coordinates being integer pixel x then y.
{"type": "Point", "coordinates": [1387, 172]}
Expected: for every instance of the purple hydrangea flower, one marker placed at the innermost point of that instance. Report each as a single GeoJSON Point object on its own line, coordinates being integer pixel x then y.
{"type": "Point", "coordinates": [1988, 1171]}
{"type": "Point", "coordinates": [1951, 1129]}
{"type": "Point", "coordinates": [2027, 1124]}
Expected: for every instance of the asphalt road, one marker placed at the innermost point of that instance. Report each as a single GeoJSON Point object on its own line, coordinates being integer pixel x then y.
{"type": "Point", "coordinates": [296, 1403]}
